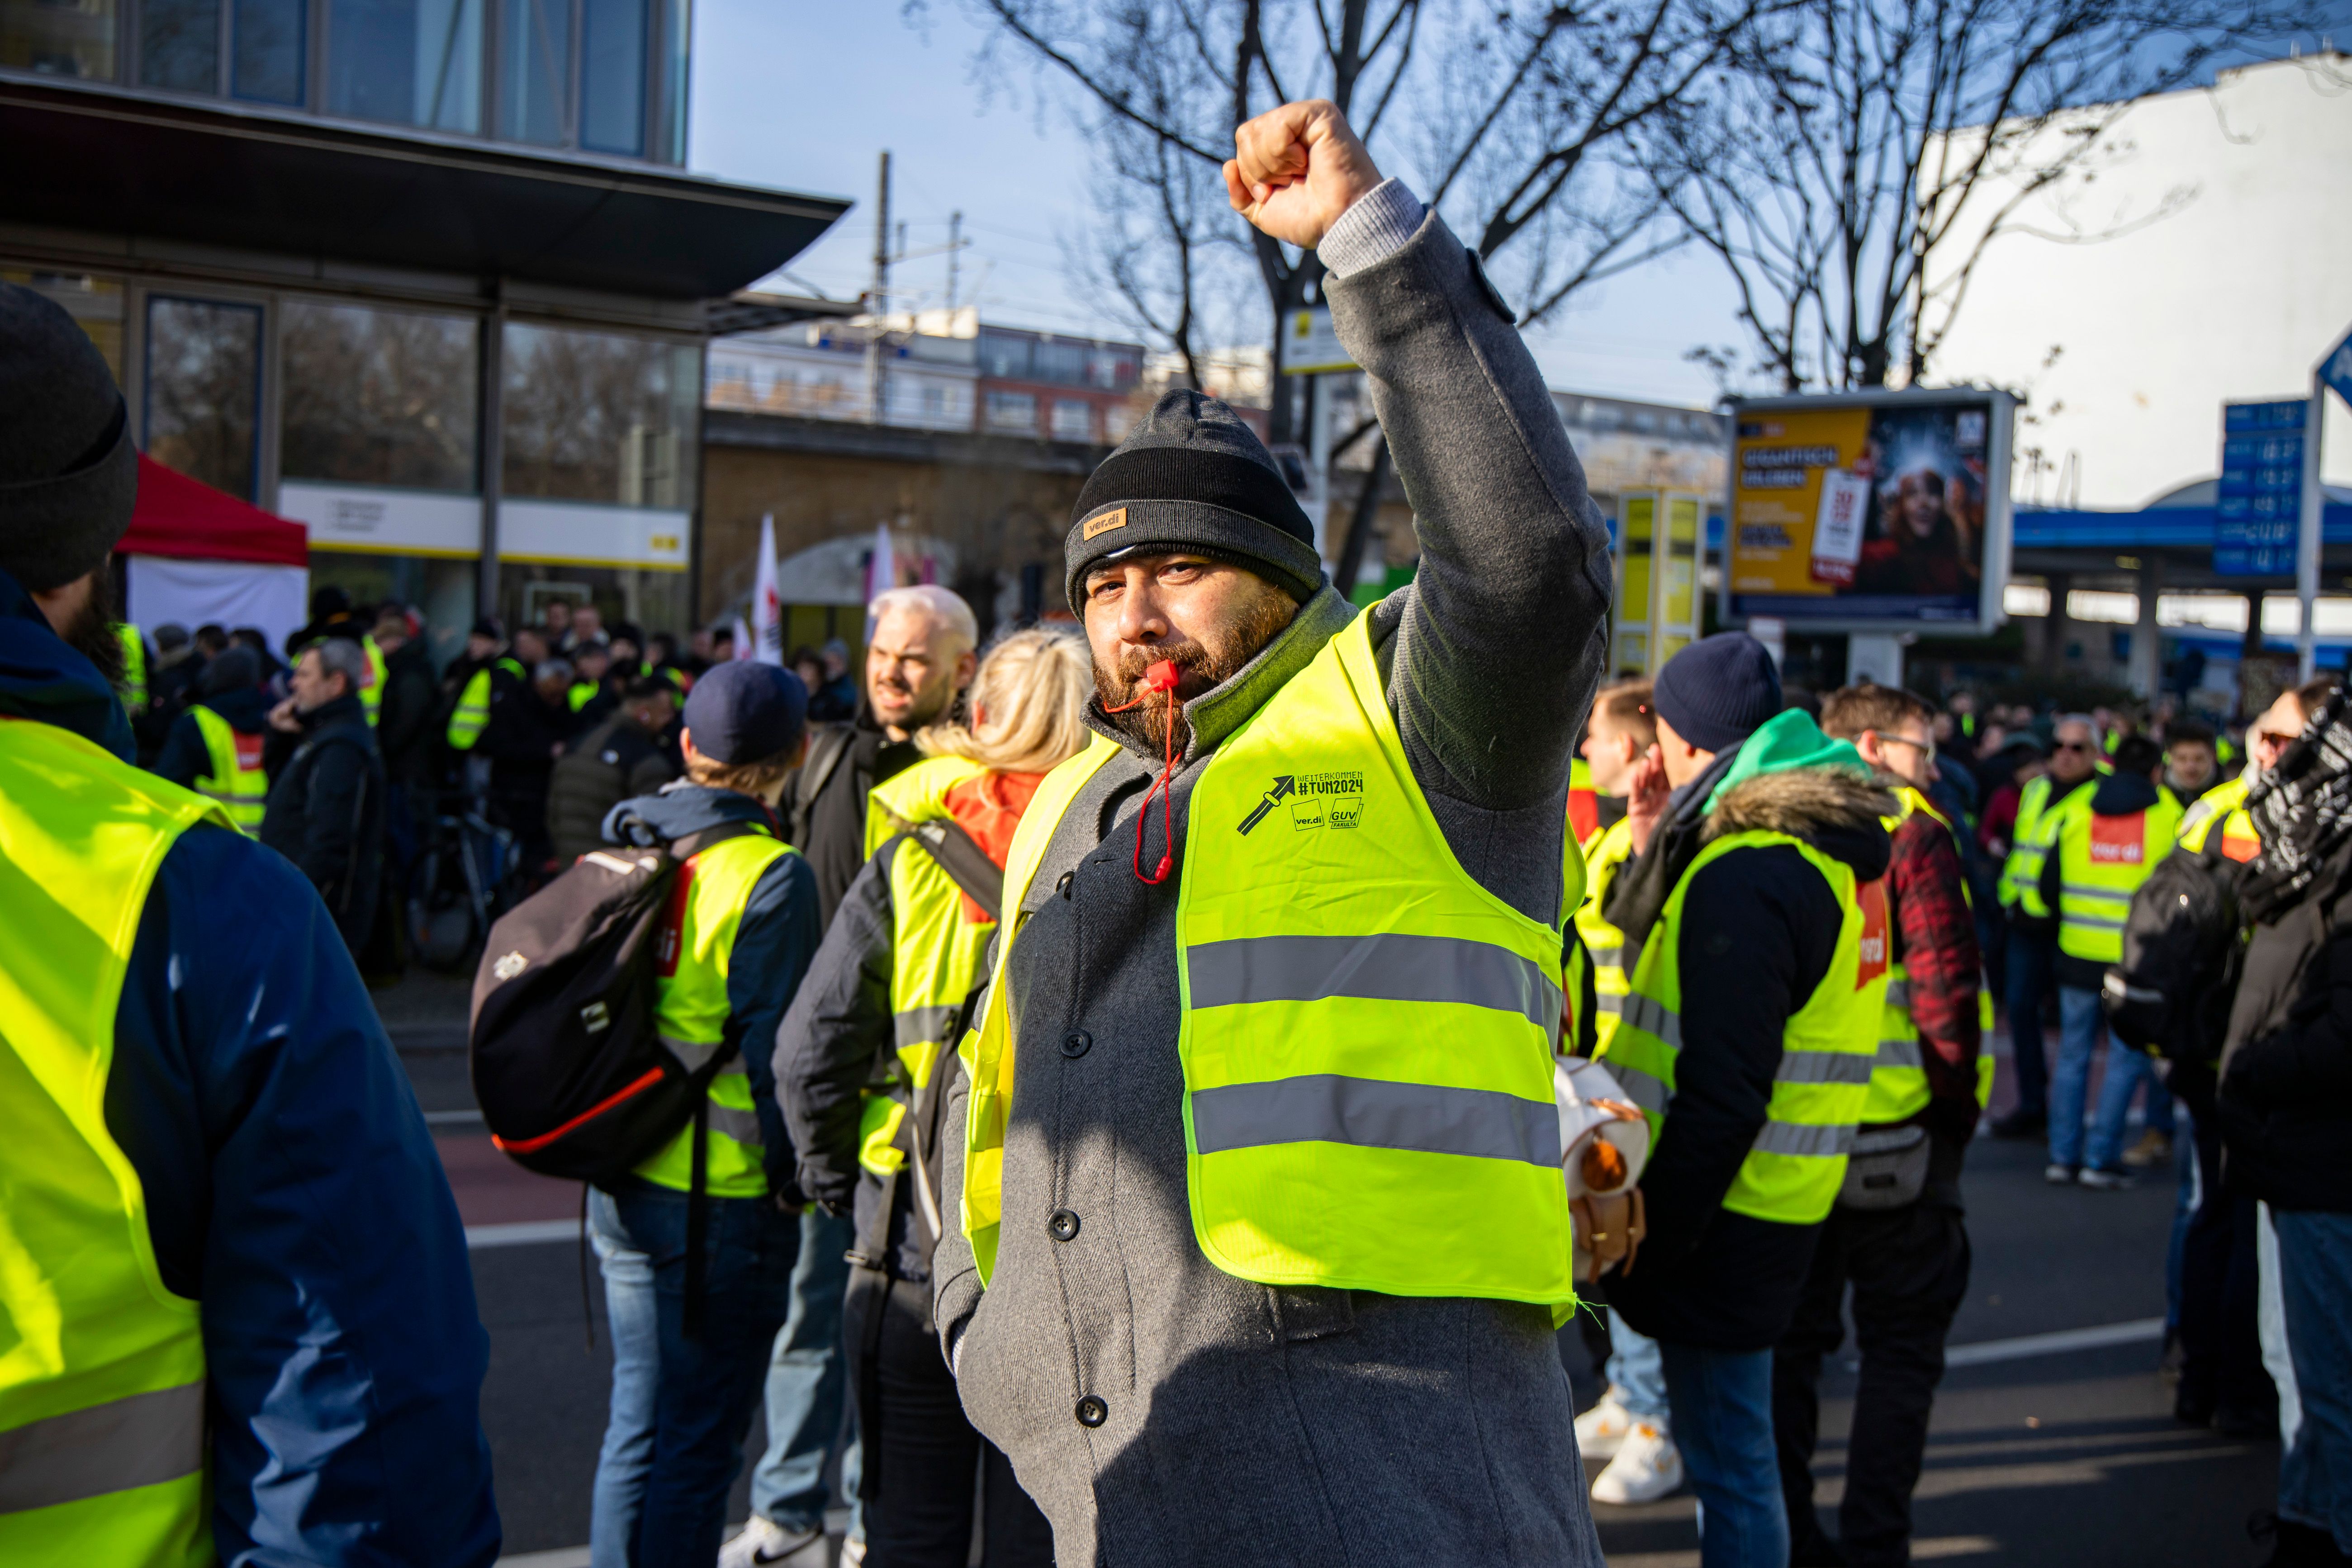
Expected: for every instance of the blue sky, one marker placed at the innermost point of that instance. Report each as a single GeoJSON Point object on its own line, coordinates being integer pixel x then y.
{"type": "Point", "coordinates": [803, 96]}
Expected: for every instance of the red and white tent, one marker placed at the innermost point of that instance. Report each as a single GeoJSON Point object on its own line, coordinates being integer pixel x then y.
{"type": "Point", "coordinates": [197, 555]}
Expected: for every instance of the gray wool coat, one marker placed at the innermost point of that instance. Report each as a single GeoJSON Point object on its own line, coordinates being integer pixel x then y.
{"type": "Point", "coordinates": [1239, 1423]}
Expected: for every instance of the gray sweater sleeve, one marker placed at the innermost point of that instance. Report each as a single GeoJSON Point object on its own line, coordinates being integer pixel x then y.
{"type": "Point", "coordinates": [1499, 643]}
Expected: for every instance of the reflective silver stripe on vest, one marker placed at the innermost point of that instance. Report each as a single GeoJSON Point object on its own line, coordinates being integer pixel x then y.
{"type": "Point", "coordinates": [917, 1024]}
{"type": "Point", "coordinates": [2105, 895]}
{"type": "Point", "coordinates": [1389, 967]}
{"type": "Point", "coordinates": [1643, 1089]}
{"type": "Point", "coordinates": [1798, 1138]}
{"type": "Point", "coordinates": [1899, 1054]}
{"type": "Point", "coordinates": [1824, 1067]}
{"type": "Point", "coordinates": [1899, 993]}
{"type": "Point", "coordinates": [692, 1053]}
{"type": "Point", "coordinates": [1609, 1000]}
{"type": "Point", "coordinates": [2092, 922]}
{"type": "Point", "coordinates": [137, 1441]}
{"type": "Point", "coordinates": [1650, 1016]}
{"type": "Point", "coordinates": [1610, 957]}
{"type": "Point", "coordinates": [743, 1126]}
{"type": "Point", "coordinates": [1376, 1114]}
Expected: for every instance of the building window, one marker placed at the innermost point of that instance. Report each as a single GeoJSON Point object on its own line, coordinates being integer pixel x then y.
{"type": "Point", "coordinates": [1065, 363]}
{"type": "Point", "coordinates": [1117, 423]}
{"type": "Point", "coordinates": [612, 77]}
{"type": "Point", "coordinates": [59, 37]}
{"type": "Point", "coordinates": [410, 62]}
{"type": "Point", "coordinates": [378, 397]}
{"type": "Point", "coordinates": [1074, 420]}
{"type": "Point", "coordinates": [535, 71]}
{"type": "Point", "coordinates": [935, 402]}
{"type": "Point", "coordinates": [178, 45]}
{"type": "Point", "coordinates": [204, 390]}
{"type": "Point", "coordinates": [94, 303]}
{"type": "Point", "coordinates": [678, 43]}
{"type": "Point", "coordinates": [268, 51]}
{"type": "Point", "coordinates": [1003, 358]}
{"type": "Point", "coordinates": [600, 417]}
{"type": "Point", "coordinates": [1013, 411]}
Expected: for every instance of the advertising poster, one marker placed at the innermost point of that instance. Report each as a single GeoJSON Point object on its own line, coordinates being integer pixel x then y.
{"type": "Point", "coordinates": [1870, 511]}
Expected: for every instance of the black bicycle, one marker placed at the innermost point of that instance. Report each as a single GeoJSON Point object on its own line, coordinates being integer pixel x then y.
{"type": "Point", "coordinates": [466, 874]}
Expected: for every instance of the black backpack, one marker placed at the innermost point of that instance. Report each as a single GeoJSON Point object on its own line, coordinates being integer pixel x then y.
{"type": "Point", "coordinates": [571, 1077]}
{"type": "Point", "coordinates": [2171, 992]}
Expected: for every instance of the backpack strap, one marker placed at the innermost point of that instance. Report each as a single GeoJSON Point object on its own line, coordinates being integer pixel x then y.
{"type": "Point", "coordinates": [687, 846]}
{"type": "Point", "coordinates": [959, 854]}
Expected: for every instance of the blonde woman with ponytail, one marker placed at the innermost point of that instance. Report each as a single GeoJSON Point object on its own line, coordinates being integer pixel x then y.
{"type": "Point", "coordinates": [861, 1061]}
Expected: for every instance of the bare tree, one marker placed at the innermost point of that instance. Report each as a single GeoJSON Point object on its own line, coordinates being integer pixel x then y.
{"type": "Point", "coordinates": [1859, 156]}
{"type": "Point", "coordinates": [1512, 121]}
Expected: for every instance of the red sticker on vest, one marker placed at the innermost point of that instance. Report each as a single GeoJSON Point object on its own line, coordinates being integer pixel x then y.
{"type": "Point", "coordinates": [2118, 840]}
{"type": "Point", "coordinates": [1872, 897]}
{"type": "Point", "coordinates": [1583, 813]}
{"type": "Point", "coordinates": [248, 751]}
{"type": "Point", "coordinates": [2239, 846]}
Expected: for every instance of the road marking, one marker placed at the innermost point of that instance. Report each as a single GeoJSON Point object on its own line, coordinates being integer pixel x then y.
{"type": "Point", "coordinates": [451, 1118]}
{"type": "Point", "coordinates": [524, 1233]}
{"type": "Point", "coordinates": [2139, 1330]}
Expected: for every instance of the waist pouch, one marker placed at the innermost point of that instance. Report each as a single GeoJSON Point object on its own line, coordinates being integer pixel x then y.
{"type": "Point", "coordinates": [1887, 1169]}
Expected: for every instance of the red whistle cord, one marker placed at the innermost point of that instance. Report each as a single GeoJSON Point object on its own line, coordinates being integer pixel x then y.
{"type": "Point", "coordinates": [1159, 677]}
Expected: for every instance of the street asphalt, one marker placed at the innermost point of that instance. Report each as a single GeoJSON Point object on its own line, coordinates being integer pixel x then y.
{"type": "Point", "coordinates": [2053, 1457]}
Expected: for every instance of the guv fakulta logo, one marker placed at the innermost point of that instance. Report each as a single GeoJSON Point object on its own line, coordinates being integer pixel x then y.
{"type": "Point", "coordinates": [1316, 800]}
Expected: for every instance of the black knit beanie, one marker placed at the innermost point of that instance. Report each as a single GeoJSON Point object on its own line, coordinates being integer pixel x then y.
{"type": "Point", "coordinates": [68, 473]}
{"type": "Point", "coordinates": [1717, 691]}
{"type": "Point", "coordinates": [1193, 476]}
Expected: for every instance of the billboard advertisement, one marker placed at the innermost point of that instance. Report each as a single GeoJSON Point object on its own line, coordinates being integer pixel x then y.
{"type": "Point", "coordinates": [1872, 511]}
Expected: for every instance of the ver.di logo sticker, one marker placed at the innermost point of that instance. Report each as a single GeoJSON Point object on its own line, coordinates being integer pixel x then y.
{"type": "Point", "coordinates": [1315, 799]}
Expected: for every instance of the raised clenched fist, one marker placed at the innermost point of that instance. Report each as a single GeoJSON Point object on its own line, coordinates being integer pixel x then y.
{"type": "Point", "coordinates": [1296, 169]}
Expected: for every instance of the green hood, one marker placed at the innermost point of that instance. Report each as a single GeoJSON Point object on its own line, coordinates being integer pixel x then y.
{"type": "Point", "coordinates": [1787, 740]}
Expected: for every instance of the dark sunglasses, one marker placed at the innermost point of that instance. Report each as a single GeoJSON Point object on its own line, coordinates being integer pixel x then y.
{"type": "Point", "coordinates": [2074, 745]}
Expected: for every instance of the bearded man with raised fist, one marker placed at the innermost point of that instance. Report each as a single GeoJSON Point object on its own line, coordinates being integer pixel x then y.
{"type": "Point", "coordinates": [1256, 1232]}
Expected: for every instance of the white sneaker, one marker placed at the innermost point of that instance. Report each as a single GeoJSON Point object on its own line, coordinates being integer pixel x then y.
{"type": "Point", "coordinates": [1601, 1430]}
{"type": "Point", "coordinates": [763, 1543]}
{"type": "Point", "coordinates": [1647, 1467]}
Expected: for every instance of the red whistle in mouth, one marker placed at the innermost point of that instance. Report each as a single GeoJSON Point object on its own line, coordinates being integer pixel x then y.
{"type": "Point", "coordinates": [1161, 677]}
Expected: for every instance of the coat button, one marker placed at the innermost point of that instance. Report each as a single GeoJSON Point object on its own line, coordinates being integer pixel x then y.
{"type": "Point", "coordinates": [1076, 1043]}
{"type": "Point", "coordinates": [1062, 1225]}
{"type": "Point", "coordinates": [1092, 1412]}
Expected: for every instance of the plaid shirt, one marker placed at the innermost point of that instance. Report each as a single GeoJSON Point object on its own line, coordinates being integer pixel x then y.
{"type": "Point", "coordinates": [1939, 937]}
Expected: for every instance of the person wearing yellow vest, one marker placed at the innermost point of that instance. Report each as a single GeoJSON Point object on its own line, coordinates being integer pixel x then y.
{"type": "Point", "coordinates": [1630, 1430]}
{"type": "Point", "coordinates": [1215, 1198]}
{"type": "Point", "coordinates": [698, 1284]}
{"type": "Point", "coordinates": [238, 1311]}
{"type": "Point", "coordinates": [1757, 879]}
{"type": "Point", "coordinates": [860, 1063]}
{"type": "Point", "coordinates": [134, 668]}
{"type": "Point", "coordinates": [1897, 1234]}
{"type": "Point", "coordinates": [215, 747]}
{"type": "Point", "coordinates": [2099, 847]}
{"type": "Point", "coordinates": [465, 686]}
{"type": "Point", "coordinates": [2030, 949]}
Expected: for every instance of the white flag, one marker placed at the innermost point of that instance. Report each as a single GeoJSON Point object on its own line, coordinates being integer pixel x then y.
{"type": "Point", "coordinates": [767, 610]}
{"type": "Point", "coordinates": [882, 572]}
{"type": "Point", "coordinates": [742, 639]}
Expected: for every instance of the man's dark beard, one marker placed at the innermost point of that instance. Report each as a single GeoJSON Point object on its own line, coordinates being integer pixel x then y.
{"type": "Point", "coordinates": [1204, 667]}
{"type": "Point", "coordinates": [92, 632]}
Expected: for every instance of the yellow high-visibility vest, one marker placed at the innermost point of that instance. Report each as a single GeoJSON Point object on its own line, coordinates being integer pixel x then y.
{"type": "Point", "coordinates": [472, 714]}
{"type": "Point", "coordinates": [2102, 861]}
{"type": "Point", "coordinates": [936, 949]}
{"type": "Point", "coordinates": [235, 777]}
{"type": "Point", "coordinates": [1828, 1047]}
{"type": "Point", "coordinates": [134, 666]}
{"type": "Point", "coordinates": [1898, 1078]}
{"type": "Point", "coordinates": [1368, 1034]}
{"type": "Point", "coordinates": [691, 1009]}
{"type": "Point", "coordinates": [2021, 871]}
{"type": "Point", "coordinates": [371, 692]}
{"type": "Point", "coordinates": [103, 1457]}
{"type": "Point", "coordinates": [2223, 806]}
{"type": "Point", "coordinates": [1606, 946]}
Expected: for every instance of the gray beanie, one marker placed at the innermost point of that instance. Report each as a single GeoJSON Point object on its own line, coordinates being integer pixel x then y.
{"type": "Point", "coordinates": [68, 473]}
{"type": "Point", "coordinates": [1193, 476]}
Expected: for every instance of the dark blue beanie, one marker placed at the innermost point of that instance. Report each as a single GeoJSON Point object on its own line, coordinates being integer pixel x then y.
{"type": "Point", "coordinates": [1717, 691]}
{"type": "Point", "coordinates": [746, 712]}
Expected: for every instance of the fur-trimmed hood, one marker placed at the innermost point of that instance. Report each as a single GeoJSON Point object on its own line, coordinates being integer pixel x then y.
{"type": "Point", "coordinates": [1800, 802]}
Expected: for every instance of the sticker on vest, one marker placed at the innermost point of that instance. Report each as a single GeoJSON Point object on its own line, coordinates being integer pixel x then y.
{"type": "Point", "coordinates": [2117, 840]}
{"type": "Point", "coordinates": [1872, 897]}
{"type": "Point", "coordinates": [248, 751]}
{"type": "Point", "coordinates": [1315, 799]}
{"type": "Point", "coordinates": [2239, 847]}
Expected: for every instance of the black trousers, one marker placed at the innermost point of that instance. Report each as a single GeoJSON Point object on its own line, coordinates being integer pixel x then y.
{"type": "Point", "coordinates": [1909, 1269]}
{"type": "Point", "coordinates": [2221, 1337]}
{"type": "Point", "coordinates": [923, 1459]}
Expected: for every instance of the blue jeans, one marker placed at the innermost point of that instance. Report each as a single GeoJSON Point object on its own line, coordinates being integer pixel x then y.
{"type": "Point", "coordinates": [1723, 1424]}
{"type": "Point", "coordinates": [2029, 964]}
{"type": "Point", "coordinates": [2080, 1022]}
{"type": "Point", "coordinates": [2314, 1259]}
{"type": "Point", "coordinates": [806, 1383]}
{"type": "Point", "coordinates": [1635, 1371]}
{"type": "Point", "coordinates": [2128, 1069]}
{"type": "Point", "coordinates": [681, 1407]}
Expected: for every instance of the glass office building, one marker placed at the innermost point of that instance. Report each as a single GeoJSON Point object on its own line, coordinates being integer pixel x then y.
{"type": "Point", "coordinates": [426, 274]}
